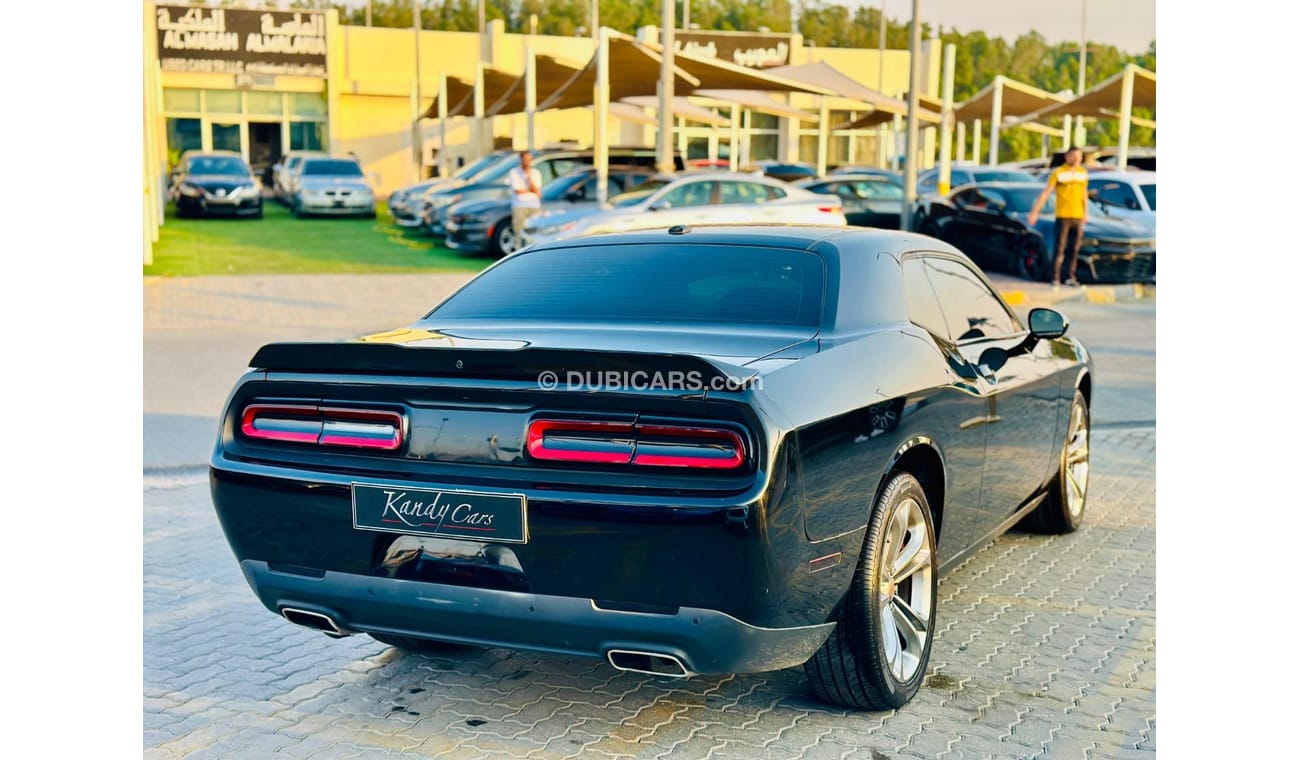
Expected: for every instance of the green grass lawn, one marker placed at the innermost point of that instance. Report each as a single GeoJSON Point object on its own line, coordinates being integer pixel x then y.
{"type": "Point", "coordinates": [281, 244]}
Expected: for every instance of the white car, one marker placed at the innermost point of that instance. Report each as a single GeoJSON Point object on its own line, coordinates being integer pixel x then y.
{"type": "Point", "coordinates": [692, 198]}
{"type": "Point", "coordinates": [1128, 193]}
{"type": "Point", "coordinates": [283, 173]}
{"type": "Point", "coordinates": [333, 186]}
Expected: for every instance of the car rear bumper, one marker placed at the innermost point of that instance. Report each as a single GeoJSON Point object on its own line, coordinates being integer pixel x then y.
{"type": "Point", "coordinates": [705, 641]}
{"type": "Point", "coordinates": [241, 207]}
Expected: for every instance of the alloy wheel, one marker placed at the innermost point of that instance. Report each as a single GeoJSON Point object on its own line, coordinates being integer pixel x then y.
{"type": "Point", "coordinates": [904, 597]}
{"type": "Point", "coordinates": [509, 242]}
{"type": "Point", "coordinates": [1076, 462]}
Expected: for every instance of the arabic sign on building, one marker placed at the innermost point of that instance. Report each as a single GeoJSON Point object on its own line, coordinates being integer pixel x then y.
{"type": "Point", "coordinates": [753, 50]}
{"type": "Point", "coordinates": [234, 41]}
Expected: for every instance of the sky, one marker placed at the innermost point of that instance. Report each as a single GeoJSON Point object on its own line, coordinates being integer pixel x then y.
{"type": "Point", "coordinates": [1129, 25]}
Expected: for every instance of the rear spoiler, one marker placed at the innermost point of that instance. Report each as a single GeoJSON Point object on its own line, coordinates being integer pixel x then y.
{"type": "Point", "coordinates": [678, 371]}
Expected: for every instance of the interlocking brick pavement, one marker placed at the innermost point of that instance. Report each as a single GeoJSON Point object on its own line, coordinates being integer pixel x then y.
{"type": "Point", "coordinates": [1045, 648]}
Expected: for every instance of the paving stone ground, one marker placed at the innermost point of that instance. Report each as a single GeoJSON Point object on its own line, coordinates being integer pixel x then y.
{"type": "Point", "coordinates": [1045, 649]}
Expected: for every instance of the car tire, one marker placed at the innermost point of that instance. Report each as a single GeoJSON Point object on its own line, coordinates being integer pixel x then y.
{"type": "Point", "coordinates": [258, 215]}
{"type": "Point", "coordinates": [1031, 258]}
{"type": "Point", "coordinates": [297, 210]}
{"type": "Point", "coordinates": [504, 241]}
{"type": "Point", "coordinates": [869, 662]}
{"type": "Point", "coordinates": [412, 644]}
{"type": "Point", "coordinates": [1067, 497]}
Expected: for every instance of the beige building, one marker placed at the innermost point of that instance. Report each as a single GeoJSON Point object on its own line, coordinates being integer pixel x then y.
{"type": "Point", "coordinates": [265, 82]}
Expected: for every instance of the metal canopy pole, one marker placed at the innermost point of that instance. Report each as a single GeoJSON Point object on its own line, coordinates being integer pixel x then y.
{"type": "Point", "coordinates": [1067, 137]}
{"type": "Point", "coordinates": [666, 81]}
{"type": "Point", "coordinates": [975, 147]}
{"type": "Point", "coordinates": [913, 124]}
{"type": "Point", "coordinates": [881, 161]}
{"type": "Point", "coordinates": [530, 93]}
{"type": "Point", "coordinates": [961, 141]}
{"type": "Point", "coordinates": [1125, 115]}
{"type": "Point", "coordinates": [945, 139]}
{"type": "Point", "coordinates": [417, 135]}
{"type": "Point", "coordinates": [995, 121]}
{"type": "Point", "coordinates": [733, 156]}
{"type": "Point", "coordinates": [601, 147]}
{"type": "Point", "coordinates": [443, 158]}
{"type": "Point", "coordinates": [823, 134]}
{"type": "Point", "coordinates": [478, 109]}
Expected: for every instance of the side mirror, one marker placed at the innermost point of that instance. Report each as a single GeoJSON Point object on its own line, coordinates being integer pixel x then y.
{"type": "Point", "coordinates": [998, 208]}
{"type": "Point", "coordinates": [1047, 324]}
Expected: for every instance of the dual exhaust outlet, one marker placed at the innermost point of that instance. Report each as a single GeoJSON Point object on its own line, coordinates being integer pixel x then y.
{"type": "Point", "coordinates": [629, 660]}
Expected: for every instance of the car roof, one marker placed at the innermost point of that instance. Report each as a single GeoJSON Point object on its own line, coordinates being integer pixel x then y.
{"type": "Point", "coordinates": [775, 235]}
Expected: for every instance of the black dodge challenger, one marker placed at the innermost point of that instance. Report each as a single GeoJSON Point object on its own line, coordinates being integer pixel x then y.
{"type": "Point", "coordinates": [686, 451]}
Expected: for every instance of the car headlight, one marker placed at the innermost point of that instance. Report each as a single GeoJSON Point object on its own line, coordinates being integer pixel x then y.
{"type": "Point", "coordinates": [552, 229]}
{"type": "Point", "coordinates": [189, 190]}
{"type": "Point", "coordinates": [442, 201]}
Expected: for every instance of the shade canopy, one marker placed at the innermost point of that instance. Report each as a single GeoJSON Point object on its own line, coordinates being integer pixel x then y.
{"type": "Point", "coordinates": [826, 76]}
{"type": "Point", "coordinates": [876, 118]}
{"type": "Point", "coordinates": [634, 70]}
{"type": "Point", "coordinates": [552, 74]}
{"type": "Point", "coordinates": [682, 108]}
{"type": "Point", "coordinates": [1104, 99]}
{"type": "Point", "coordinates": [458, 92]}
{"type": "Point", "coordinates": [1018, 99]}
{"type": "Point", "coordinates": [756, 101]}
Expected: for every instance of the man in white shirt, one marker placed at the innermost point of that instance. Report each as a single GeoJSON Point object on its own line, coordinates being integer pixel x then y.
{"type": "Point", "coordinates": [526, 200]}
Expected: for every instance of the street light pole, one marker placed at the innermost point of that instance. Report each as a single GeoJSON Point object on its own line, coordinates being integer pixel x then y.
{"type": "Point", "coordinates": [913, 125]}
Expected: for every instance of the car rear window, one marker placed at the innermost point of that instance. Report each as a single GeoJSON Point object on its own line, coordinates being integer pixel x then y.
{"type": "Point", "coordinates": [1150, 192]}
{"type": "Point", "coordinates": [674, 283]}
{"type": "Point", "coordinates": [332, 167]}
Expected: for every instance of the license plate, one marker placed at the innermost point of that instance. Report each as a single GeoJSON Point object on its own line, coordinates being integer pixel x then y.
{"type": "Point", "coordinates": [499, 517]}
{"type": "Point", "coordinates": [338, 204]}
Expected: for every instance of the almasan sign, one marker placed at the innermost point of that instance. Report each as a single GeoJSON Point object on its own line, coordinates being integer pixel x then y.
{"type": "Point", "coordinates": [234, 41]}
{"type": "Point", "coordinates": [752, 50]}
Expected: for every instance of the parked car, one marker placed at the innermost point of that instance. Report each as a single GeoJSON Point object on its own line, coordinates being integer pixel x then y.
{"type": "Point", "coordinates": [550, 164]}
{"type": "Point", "coordinates": [927, 183]}
{"type": "Point", "coordinates": [283, 172]}
{"type": "Point", "coordinates": [1127, 193]}
{"type": "Point", "coordinates": [990, 223]}
{"type": "Point", "coordinates": [485, 225]}
{"type": "Point", "coordinates": [875, 414]}
{"type": "Point", "coordinates": [690, 199]}
{"type": "Point", "coordinates": [783, 170]}
{"type": "Point", "coordinates": [334, 186]}
{"type": "Point", "coordinates": [215, 183]}
{"type": "Point", "coordinates": [870, 200]}
{"type": "Point", "coordinates": [872, 170]}
{"type": "Point", "coordinates": [407, 204]}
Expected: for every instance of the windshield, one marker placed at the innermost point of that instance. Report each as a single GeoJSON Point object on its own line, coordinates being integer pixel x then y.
{"type": "Point", "coordinates": [649, 283]}
{"type": "Point", "coordinates": [474, 167]}
{"type": "Point", "coordinates": [332, 167]}
{"type": "Point", "coordinates": [1004, 176]}
{"type": "Point", "coordinates": [642, 191]}
{"type": "Point", "coordinates": [1150, 192]}
{"type": "Point", "coordinates": [559, 187]}
{"type": "Point", "coordinates": [218, 165]}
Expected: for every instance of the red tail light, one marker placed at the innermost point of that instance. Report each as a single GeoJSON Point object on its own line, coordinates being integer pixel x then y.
{"type": "Point", "coordinates": [828, 209]}
{"type": "Point", "coordinates": [325, 426]}
{"type": "Point", "coordinates": [637, 444]}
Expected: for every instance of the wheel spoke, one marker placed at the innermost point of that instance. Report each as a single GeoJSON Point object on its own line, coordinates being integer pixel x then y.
{"type": "Point", "coordinates": [1075, 487]}
{"type": "Point", "coordinates": [1078, 452]}
{"type": "Point", "coordinates": [889, 631]}
{"type": "Point", "coordinates": [909, 624]}
{"type": "Point", "coordinates": [894, 537]}
{"type": "Point", "coordinates": [918, 557]}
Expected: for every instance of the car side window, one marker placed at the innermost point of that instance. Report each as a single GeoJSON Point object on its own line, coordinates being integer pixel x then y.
{"type": "Point", "coordinates": [691, 194]}
{"type": "Point", "coordinates": [1114, 193]}
{"type": "Point", "coordinates": [929, 183]}
{"type": "Point", "coordinates": [962, 178]}
{"type": "Point", "coordinates": [773, 193]}
{"type": "Point", "coordinates": [971, 311]}
{"type": "Point", "coordinates": [922, 303]}
{"type": "Point", "coordinates": [969, 197]}
{"type": "Point", "coordinates": [878, 190]}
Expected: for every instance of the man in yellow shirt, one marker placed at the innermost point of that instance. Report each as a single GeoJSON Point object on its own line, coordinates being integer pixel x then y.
{"type": "Point", "coordinates": [1070, 181]}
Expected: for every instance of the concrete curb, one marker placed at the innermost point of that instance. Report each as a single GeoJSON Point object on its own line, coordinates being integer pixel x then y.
{"type": "Point", "coordinates": [1043, 295]}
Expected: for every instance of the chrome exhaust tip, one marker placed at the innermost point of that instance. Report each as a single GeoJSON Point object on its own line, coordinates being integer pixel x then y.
{"type": "Point", "coordinates": [648, 663]}
{"type": "Point", "coordinates": [314, 620]}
